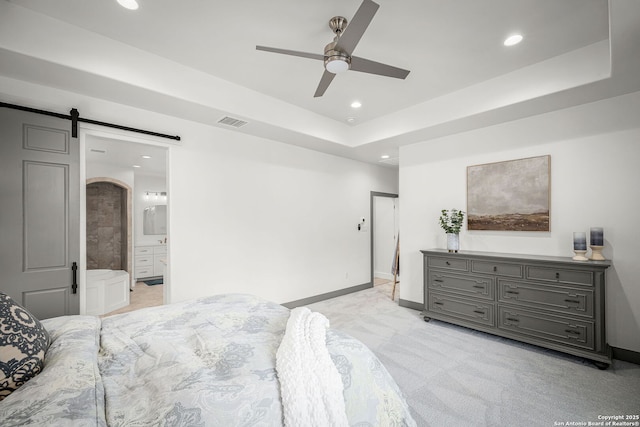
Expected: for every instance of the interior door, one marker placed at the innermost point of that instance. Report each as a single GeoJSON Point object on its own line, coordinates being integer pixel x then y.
{"type": "Point", "coordinates": [384, 234]}
{"type": "Point", "coordinates": [39, 212]}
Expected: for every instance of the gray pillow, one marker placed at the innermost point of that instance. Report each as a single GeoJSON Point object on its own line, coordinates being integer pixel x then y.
{"type": "Point", "coordinates": [23, 344]}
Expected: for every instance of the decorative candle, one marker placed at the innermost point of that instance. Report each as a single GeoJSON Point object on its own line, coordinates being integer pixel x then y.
{"type": "Point", "coordinates": [597, 236]}
{"type": "Point", "coordinates": [580, 241]}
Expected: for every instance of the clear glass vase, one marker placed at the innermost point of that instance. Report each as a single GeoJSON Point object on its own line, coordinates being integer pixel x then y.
{"type": "Point", "coordinates": [453, 242]}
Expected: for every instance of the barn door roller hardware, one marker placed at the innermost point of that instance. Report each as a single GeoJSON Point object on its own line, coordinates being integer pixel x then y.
{"type": "Point", "coordinates": [74, 116]}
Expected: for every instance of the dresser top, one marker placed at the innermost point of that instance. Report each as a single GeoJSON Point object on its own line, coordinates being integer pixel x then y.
{"type": "Point", "coordinates": [517, 257]}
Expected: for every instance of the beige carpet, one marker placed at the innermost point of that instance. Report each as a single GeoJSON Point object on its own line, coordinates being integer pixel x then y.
{"type": "Point", "coordinates": [453, 376]}
{"type": "Point", "coordinates": [142, 296]}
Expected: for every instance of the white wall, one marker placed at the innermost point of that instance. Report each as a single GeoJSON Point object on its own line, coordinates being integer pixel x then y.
{"type": "Point", "coordinates": [257, 216]}
{"type": "Point", "coordinates": [595, 172]}
{"type": "Point", "coordinates": [247, 214]}
{"type": "Point", "coordinates": [98, 170]}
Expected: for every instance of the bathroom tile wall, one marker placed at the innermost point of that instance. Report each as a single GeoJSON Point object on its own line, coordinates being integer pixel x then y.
{"type": "Point", "coordinates": [106, 229]}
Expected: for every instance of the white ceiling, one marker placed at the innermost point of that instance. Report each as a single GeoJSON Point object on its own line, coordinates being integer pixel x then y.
{"type": "Point", "coordinates": [452, 49]}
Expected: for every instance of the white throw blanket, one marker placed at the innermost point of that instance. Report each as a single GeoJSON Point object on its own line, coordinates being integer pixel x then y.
{"type": "Point", "coordinates": [310, 385]}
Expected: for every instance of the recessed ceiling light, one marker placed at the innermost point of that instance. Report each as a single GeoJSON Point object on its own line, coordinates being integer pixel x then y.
{"type": "Point", "coordinates": [136, 166]}
{"type": "Point", "coordinates": [356, 104]}
{"type": "Point", "coordinates": [384, 156]}
{"type": "Point", "coordinates": [145, 156]}
{"type": "Point", "coordinates": [351, 119]}
{"type": "Point", "coordinates": [128, 4]}
{"type": "Point", "coordinates": [513, 40]}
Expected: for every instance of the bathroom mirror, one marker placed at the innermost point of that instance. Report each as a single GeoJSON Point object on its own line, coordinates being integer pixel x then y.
{"type": "Point", "coordinates": [155, 220]}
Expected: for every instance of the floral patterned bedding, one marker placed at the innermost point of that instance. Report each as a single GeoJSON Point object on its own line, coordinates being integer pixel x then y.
{"type": "Point", "coordinates": [206, 362]}
{"type": "Point", "coordinates": [69, 390]}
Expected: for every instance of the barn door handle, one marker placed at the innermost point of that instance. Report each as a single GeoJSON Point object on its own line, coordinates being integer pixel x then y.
{"type": "Point", "coordinates": [74, 283]}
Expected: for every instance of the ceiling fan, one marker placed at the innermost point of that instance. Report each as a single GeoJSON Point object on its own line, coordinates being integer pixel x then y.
{"type": "Point", "coordinates": [337, 54]}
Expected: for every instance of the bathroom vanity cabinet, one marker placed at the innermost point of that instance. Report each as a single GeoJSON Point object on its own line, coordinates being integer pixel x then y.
{"type": "Point", "coordinates": [148, 261]}
{"type": "Point", "coordinates": [552, 302]}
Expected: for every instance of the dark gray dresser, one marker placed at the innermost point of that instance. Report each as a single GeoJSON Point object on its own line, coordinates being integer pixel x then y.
{"type": "Point", "coordinates": [552, 302]}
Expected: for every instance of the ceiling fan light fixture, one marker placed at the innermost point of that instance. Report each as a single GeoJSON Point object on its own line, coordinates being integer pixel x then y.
{"type": "Point", "coordinates": [337, 64]}
{"type": "Point", "coordinates": [337, 54]}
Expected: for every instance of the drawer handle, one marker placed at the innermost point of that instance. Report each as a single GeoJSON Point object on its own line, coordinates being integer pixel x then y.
{"type": "Point", "coordinates": [438, 280]}
{"type": "Point", "coordinates": [448, 263]}
{"type": "Point", "coordinates": [573, 301]}
{"type": "Point", "coordinates": [557, 275]}
{"type": "Point", "coordinates": [479, 312]}
{"type": "Point", "coordinates": [438, 303]}
{"type": "Point", "coordinates": [511, 292]}
{"type": "Point", "coordinates": [572, 332]}
{"type": "Point", "coordinates": [478, 286]}
{"type": "Point", "coordinates": [512, 319]}
{"type": "Point", "coordinates": [495, 268]}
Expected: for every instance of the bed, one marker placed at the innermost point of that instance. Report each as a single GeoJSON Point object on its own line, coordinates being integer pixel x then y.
{"type": "Point", "coordinates": [213, 361]}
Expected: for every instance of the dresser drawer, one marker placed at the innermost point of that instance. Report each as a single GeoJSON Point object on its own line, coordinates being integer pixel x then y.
{"type": "Point", "coordinates": [449, 263]}
{"type": "Point", "coordinates": [559, 275]}
{"type": "Point", "coordinates": [497, 268]}
{"type": "Point", "coordinates": [144, 272]}
{"type": "Point", "coordinates": [144, 261]}
{"type": "Point", "coordinates": [144, 250]}
{"type": "Point", "coordinates": [572, 332]}
{"type": "Point", "coordinates": [159, 250]}
{"type": "Point", "coordinates": [461, 308]}
{"type": "Point", "coordinates": [475, 286]}
{"type": "Point", "coordinates": [561, 299]}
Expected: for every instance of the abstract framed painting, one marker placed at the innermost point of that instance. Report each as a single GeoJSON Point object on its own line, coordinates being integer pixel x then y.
{"type": "Point", "coordinates": [513, 195]}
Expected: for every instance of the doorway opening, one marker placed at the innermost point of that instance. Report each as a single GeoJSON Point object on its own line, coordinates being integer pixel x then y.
{"type": "Point", "coordinates": [124, 175]}
{"type": "Point", "coordinates": [384, 214]}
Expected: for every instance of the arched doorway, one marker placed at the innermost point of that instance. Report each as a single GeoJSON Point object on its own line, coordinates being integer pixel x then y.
{"type": "Point", "coordinates": [109, 225]}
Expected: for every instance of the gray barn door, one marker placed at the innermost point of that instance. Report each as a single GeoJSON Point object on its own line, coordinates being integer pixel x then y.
{"type": "Point", "coordinates": [39, 212]}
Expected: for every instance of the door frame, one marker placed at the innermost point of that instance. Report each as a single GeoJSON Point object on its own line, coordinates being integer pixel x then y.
{"type": "Point", "coordinates": [372, 216]}
{"type": "Point", "coordinates": [90, 130]}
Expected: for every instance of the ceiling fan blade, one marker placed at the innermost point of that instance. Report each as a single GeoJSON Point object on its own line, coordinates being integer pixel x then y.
{"type": "Point", "coordinates": [373, 67]}
{"type": "Point", "coordinates": [357, 26]}
{"type": "Point", "coordinates": [325, 81]}
{"type": "Point", "coordinates": [291, 52]}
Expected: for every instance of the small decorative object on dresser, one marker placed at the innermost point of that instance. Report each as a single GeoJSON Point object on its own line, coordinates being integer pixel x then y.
{"type": "Point", "coordinates": [580, 246]}
{"type": "Point", "coordinates": [451, 222]}
{"type": "Point", "coordinates": [596, 243]}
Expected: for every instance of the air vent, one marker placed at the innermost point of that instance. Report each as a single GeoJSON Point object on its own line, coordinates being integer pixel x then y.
{"type": "Point", "coordinates": [230, 121]}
